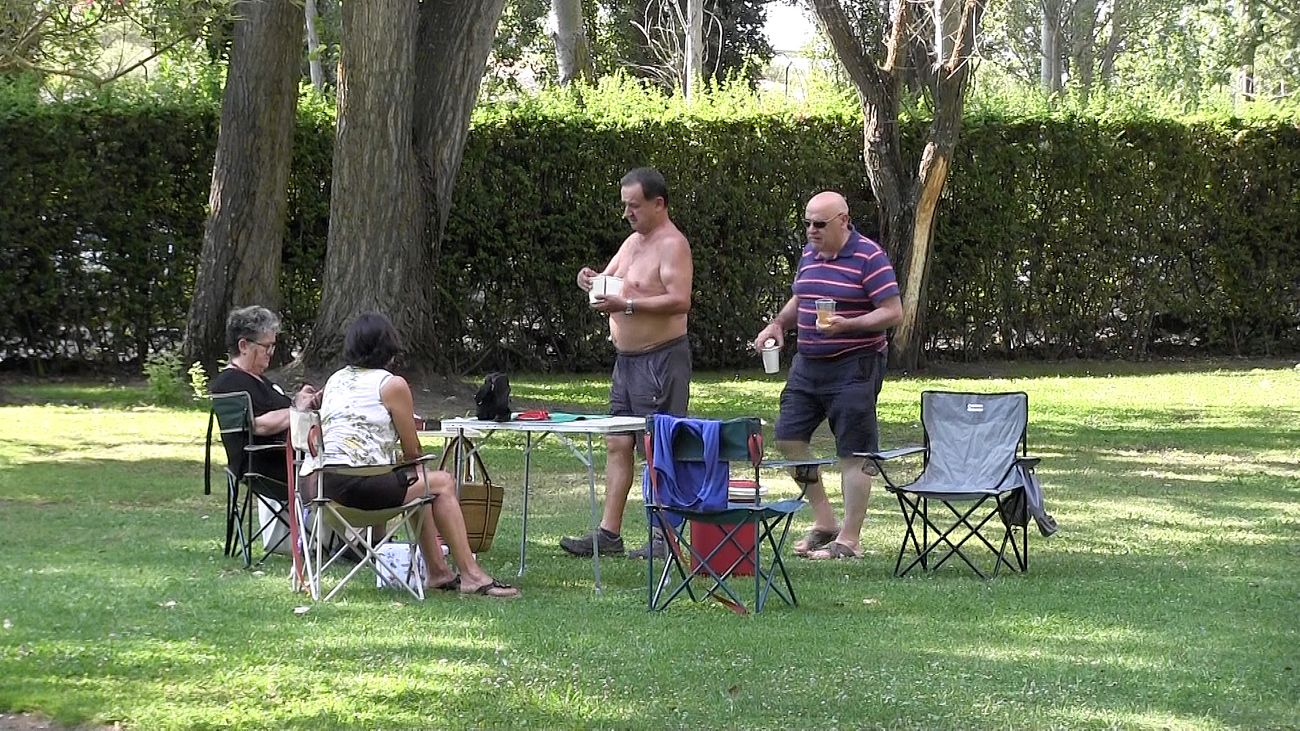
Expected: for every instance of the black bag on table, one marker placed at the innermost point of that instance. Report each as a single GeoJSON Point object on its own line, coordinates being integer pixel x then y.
{"type": "Point", "coordinates": [493, 398]}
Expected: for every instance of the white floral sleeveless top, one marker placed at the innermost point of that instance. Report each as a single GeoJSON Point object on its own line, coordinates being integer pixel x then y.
{"type": "Point", "coordinates": [356, 427]}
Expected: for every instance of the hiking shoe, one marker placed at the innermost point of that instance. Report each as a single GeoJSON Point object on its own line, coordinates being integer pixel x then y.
{"type": "Point", "coordinates": [581, 545]}
{"type": "Point", "coordinates": [655, 547]}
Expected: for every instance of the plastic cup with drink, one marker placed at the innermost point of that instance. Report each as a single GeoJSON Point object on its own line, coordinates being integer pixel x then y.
{"type": "Point", "coordinates": [825, 308]}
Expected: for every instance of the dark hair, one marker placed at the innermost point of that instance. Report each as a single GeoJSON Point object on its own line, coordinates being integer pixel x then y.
{"type": "Point", "coordinates": [371, 342]}
{"type": "Point", "coordinates": [651, 181]}
{"type": "Point", "coordinates": [249, 323]}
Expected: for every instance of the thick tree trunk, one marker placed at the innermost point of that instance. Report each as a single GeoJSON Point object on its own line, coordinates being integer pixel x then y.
{"type": "Point", "coordinates": [1083, 44]}
{"type": "Point", "coordinates": [572, 50]}
{"type": "Point", "coordinates": [410, 77]}
{"type": "Point", "coordinates": [240, 260]}
{"type": "Point", "coordinates": [455, 41]}
{"type": "Point", "coordinates": [375, 259]}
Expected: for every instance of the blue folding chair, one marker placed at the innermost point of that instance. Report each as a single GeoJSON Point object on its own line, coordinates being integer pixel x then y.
{"type": "Point", "coordinates": [715, 528]}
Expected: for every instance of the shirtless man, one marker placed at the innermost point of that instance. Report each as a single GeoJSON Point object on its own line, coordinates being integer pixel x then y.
{"type": "Point", "coordinates": [647, 322]}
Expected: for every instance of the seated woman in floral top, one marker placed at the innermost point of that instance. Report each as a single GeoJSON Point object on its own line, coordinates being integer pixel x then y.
{"type": "Point", "coordinates": [368, 418]}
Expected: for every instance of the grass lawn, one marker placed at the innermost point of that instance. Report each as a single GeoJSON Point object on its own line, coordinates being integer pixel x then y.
{"type": "Point", "coordinates": [1170, 599]}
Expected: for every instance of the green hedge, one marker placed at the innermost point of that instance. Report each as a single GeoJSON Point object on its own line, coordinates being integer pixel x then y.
{"type": "Point", "coordinates": [1066, 237]}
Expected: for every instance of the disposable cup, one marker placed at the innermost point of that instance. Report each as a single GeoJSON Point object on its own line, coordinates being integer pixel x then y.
{"type": "Point", "coordinates": [771, 359]}
{"type": "Point", "coordinates": [825, 308]}
{"type": "Point", "coordinates": [606, 285]}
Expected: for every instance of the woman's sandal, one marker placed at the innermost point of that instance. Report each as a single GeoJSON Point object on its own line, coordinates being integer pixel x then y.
{"type": "Point", "coordinates": [495, 590]}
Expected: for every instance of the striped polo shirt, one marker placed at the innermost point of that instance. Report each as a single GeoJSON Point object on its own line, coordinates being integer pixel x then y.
{"type": "Point", "coordinates": [859, 279]}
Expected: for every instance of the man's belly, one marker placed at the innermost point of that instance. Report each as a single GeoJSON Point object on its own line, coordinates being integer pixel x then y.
{"type": "Point", "coordinates": [641, 332]}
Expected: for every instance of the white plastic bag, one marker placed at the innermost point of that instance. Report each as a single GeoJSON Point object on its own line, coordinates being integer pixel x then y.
{"type": "Point", "coordinates": [399, 556]}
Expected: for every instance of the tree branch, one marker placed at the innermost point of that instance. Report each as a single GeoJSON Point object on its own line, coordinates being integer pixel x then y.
{"type": "Point", "coordinates": [868, 78]}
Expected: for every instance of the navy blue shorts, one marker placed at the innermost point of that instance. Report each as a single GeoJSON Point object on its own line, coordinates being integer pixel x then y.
{"type": "Point", "coordinates": [843, 390]}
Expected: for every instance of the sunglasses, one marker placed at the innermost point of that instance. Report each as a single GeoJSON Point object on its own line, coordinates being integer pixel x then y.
{"type": "Point", "coordinates": [818, 224]}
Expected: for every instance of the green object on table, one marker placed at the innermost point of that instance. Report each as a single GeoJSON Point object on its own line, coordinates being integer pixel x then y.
{"type": "Point", "coordinates": [561, 417]}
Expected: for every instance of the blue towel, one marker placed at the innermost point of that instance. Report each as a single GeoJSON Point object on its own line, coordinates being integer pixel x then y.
{"type": "Point", "coordinates": [699, 486]}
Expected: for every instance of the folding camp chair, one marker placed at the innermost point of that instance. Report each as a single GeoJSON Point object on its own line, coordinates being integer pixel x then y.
{"type": "Point", "coordinates": [233, 414]}
{"type": "Point", "coordinates": [322, 520]}
{"type": "Point", "coordinates": [976, 466]}
{"type": "Point", "coordinates": [715, 527]}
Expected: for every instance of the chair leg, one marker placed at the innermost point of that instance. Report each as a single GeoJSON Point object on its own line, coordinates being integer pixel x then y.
{"type": "Point", "coordinates": [927, 549]}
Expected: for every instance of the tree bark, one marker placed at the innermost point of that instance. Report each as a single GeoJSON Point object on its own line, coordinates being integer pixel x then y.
{"type": "Point", "coordinates": [313, 47]}
{"type": "Point", "coordinates": [907, 201]}
{"type": "Point", "coordinates": [572, 50]}
{"type": "Point", "coordinates": [1050, 43]}
{"type": "Point", "coordinates": [694, 71]}
{"type": "Point", "coordinates": [240, 261]}
{"type": "Point", "coordinates": [409, 78]}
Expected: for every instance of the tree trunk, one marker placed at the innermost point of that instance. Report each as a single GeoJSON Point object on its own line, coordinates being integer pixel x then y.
{"type": "Point", "coordinates": [313, 47]}
{"type": "Point", "coordinates": [402, 123]}
{"type": "Point", "coordinates": [1083, 32]}
{"type": "Point", "coordinates": [572, 50]}
{"type": "Point", "coordinates": [907, 201]}
{"type": "Point", "coordinates": [694, 46]}
{"type": "Point", "coordinates": [242, 239]}
{"type": "Point", "coordinates": [1050, 63]}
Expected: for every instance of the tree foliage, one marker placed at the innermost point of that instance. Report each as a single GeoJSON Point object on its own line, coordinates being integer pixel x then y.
{"type": "Point", "coordinates": [95, 42]}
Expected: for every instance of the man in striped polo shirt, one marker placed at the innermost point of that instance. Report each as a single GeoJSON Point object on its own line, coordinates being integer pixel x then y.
{"type": "Point", "coordinates": [837, 372]}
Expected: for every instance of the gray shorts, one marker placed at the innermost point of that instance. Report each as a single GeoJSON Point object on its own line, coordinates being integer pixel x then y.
{"type": "Point", "coordinates": [843, 390]}
{"type": "Point", "coordinates": [654, 382]}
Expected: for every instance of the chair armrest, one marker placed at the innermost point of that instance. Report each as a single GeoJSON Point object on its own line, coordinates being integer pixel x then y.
{"type": "Point", "coordinates": [263, 447]}
{"type": "Point", "coordinates": [806, 471]}
{"type": "Point", "coordinates": [782, 464]}
{"type": "Point", "coordinates": [1028, 461]}
{"type": "Point", "coordinates": [890, 453]}
{"type": "Point", "coordinates": [422, 459]}
{"type": "Point", "coordinates": [878, 459]}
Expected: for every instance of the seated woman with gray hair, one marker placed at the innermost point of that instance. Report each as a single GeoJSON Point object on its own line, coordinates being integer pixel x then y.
{"type": "Point", "coordinates": [250, 340]}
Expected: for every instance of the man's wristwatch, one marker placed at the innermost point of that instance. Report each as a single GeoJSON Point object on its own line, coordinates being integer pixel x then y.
{"type": "Point", "coordinates": [628, 309]}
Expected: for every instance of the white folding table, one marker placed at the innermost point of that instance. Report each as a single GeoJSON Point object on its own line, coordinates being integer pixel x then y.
{"type": "Point", "coordinates": [536, 431]}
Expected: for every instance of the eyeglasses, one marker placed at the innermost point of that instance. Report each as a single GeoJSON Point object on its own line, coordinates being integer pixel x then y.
{"type": "Point", "coordinates": [819, 225]}
{"type": "Point", "coordinates": [270, 347]}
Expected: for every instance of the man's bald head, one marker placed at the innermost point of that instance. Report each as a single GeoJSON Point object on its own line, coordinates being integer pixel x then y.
{"type": "Point", "coordinates": [828, 202]}
{"type": "Point", "coordinates": [826, 220]}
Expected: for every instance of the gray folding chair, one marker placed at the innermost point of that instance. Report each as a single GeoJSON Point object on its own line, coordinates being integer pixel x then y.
{"type": "Point", "coordinates": [977, 473]}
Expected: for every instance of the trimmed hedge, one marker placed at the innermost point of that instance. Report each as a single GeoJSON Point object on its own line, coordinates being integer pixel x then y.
{"type": "Point", "coordinates": [1057, 237]}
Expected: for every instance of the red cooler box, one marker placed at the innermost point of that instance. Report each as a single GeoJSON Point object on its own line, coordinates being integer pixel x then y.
{"type": "Point", "coordinates": [706, 536]}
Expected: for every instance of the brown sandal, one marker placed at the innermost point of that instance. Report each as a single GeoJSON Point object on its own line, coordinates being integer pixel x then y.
{"type": "Point", "coordinates": [495, 590]}
{"type": "Point", "coordinates": [833, 551]}
{"type": "Point", "coordinates": [815, 539]}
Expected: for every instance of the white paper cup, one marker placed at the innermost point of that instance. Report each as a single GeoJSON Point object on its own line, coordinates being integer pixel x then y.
{"type": "Point", "coordinates": [606, 285]}
{"type": "Point", "coordinates": [771, 359]}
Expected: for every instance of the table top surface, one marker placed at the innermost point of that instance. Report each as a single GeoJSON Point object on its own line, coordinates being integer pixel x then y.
{"type": "Point", "coordinates": [590, 425]}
